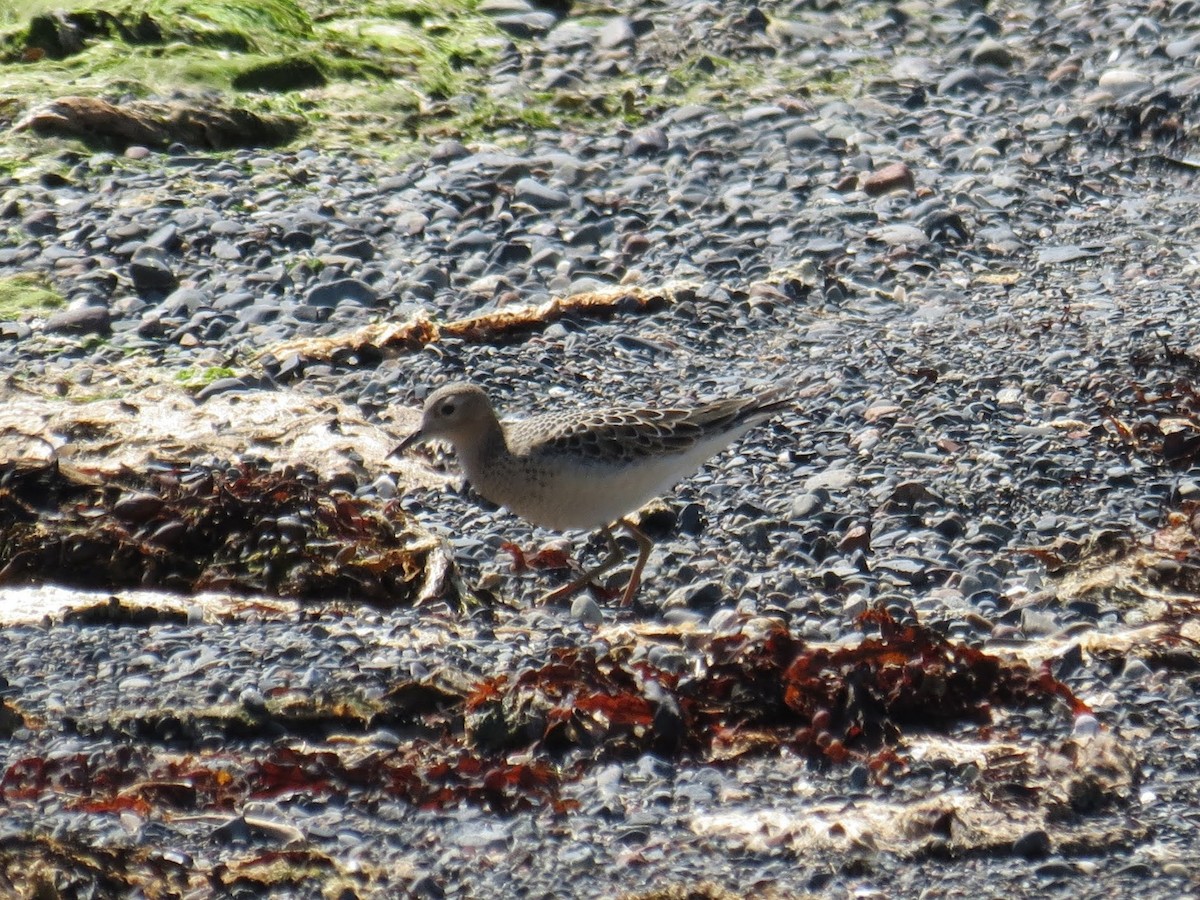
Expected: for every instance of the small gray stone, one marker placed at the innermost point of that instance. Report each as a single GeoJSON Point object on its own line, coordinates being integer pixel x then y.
{"type": "Point", "coordinates": [900, 236]}
{"type": "Point", "coordinates": [961, 81]}
{"type": "Point", "coordinates": [648, 141]}
{"type": "Point", "coordinates": [1181, 48]}
{"type": "Point", "coordinates": [526, 25]}
{"type": "Point", "coordinates": [1034, 845]}
{"type": "Point", "coordinates": [616, 33]}
{"type": "Point", "coordinates": [830, 479]}
{"type": "Point", "coordinates": [1064, 254]}
{"type": "Point", "coordinates": [990, 52]}
{"type": "Point", "coordinates": [358, 249]}
{"type": "Point", "coordinates": [807, 504]}
{"type": "Point", "coordinates": [1135, 671]}
{"type": "Point", "coordinates": [226, 228]}
{"type": "Point", "coordinates": [151, 271]}
{"type": "Point", "coordinates": [1119, 82]}
{"type": "Point", "coordinates": [81, 320]}
{"type": "Point", "coordinates": [166, 237]}
{"type": "Point", "coordinates": [384, 487]}
{"type": "Point", "coordinates": [298, 240]}
{"type": "Point", "coordinates": [504, 7]}
{"type": "Point", "coordinates": [585, 609]}
{"type": "Point", "coordinates": [762, 114]}
{"type": "Point", "coordinates": [335, 292]}
{"type": "Point", "coordinates": [702, 596]}
{"type": "Point", "coordinates": [41, 223]}
{"type": "Point", "coordinates": [227, 251]}
{"type": "Point", "coordinates": [222, 386]}
{"type": "Point", "coordinates": [539, 196]}
{"type": "Point", "coordinates": [14, 331]}
{"type": "Point", "coordinates": [804, 137]}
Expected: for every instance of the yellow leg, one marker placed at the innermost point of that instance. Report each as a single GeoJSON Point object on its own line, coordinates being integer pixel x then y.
{"type": "Point", "coordinates": [614, 557]}
{"type": "Point", "coordinates": [644, 545]}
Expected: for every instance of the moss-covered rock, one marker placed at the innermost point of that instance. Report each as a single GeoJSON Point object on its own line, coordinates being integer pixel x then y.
{"type": "Point", "coordinates": [286, 73]}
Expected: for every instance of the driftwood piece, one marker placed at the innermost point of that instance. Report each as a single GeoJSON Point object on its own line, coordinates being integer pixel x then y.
{"type": "Point", "coordinates": [497, 326]}
{"type": "Point", "coordinates": [158, 124]}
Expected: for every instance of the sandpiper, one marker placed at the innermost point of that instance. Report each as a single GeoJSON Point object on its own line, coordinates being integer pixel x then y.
{"type": "Point", "coordinates": [585, 469]}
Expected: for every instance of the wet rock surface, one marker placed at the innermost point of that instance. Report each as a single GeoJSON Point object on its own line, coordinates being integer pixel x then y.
{"type": "Point", "coordinates": [973, 250]}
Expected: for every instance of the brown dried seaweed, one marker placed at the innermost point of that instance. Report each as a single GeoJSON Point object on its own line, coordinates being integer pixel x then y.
{"type": "Point", "coordinates": [241, 529]}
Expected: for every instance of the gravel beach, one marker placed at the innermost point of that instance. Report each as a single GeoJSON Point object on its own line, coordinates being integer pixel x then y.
{"type": "Point", "coordinates": [973, 250]}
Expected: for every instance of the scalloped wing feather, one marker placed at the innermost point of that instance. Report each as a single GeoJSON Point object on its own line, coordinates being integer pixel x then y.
{"type": "Point", "coordinates": [620, 435]}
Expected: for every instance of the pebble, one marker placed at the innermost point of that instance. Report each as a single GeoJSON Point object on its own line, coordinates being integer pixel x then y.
{"type": "Point", "coordinates": [85, 319]}
{"type": "Point", "coordinates": [896, 176]}
{"type": "Point", "coordinates": [150, 270]}
{"type": "Point", "coordinates": [1124, 81]}
{"type": "Point", "coordinates": [649, 141]}
{"type": "Point", "coordinates": [1033, 845]}
{"type": "Point", "coordinates": [991, 52]}
{"type": "Point", "coordinates": [616, 33]}
{"type": "Point", "coordinates": [586, 610]}
{"type": "Point", "coordinates": [539, 196]}
{"type": "Point", "coordinates": [343, 289]}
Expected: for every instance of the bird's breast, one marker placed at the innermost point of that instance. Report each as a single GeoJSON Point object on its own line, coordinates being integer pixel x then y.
{"type": "Point", "coordinates": [565, 494]}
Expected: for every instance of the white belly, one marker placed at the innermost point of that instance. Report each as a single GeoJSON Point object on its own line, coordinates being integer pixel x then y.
{"type": "Point", "coordinates": [565, 496]}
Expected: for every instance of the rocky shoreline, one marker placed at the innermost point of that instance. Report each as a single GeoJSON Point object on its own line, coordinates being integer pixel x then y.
{"type": "Point", "coordinates": [971, 241]}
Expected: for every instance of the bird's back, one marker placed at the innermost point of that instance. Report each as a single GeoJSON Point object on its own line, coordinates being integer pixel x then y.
{"type": "Point", "coordinates": [622, 435]}
{"type": "Point", "coordinates": [586, 469]}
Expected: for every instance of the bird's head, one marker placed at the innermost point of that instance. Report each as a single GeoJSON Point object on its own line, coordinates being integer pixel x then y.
{"type": "Point", "coordinates": [458, 413]}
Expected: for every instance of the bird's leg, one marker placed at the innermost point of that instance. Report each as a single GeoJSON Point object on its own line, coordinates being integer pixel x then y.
{"type": "Point", "coordinates": [614, 556]}
{"type": "Point", "coordinates": [644, 544]}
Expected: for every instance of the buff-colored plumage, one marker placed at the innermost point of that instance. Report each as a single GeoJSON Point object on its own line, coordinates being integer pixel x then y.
{"type": "Point", "coordinates": [588, 469]}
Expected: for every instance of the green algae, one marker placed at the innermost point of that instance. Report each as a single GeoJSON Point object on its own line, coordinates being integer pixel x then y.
{"type": "Point", "coordinates": [27, 296]}
{"type": "Point", "coordinates": [367, 69]}
{"type": "Point", "coordinates": [392, 75]}
{"type": "Point", "coordinates": [196, 379]}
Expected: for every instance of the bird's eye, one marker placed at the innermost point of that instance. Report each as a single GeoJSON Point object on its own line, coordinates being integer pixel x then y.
{"type": "Point", "coordinates": [447, 408]}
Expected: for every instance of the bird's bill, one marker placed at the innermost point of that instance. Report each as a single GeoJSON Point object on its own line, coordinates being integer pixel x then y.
{"type": "Point", "coordinates": [414, 438]}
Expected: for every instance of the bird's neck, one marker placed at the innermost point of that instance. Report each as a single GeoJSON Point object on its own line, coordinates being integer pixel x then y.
{"type": "Point", "coordinates": [475, 456]}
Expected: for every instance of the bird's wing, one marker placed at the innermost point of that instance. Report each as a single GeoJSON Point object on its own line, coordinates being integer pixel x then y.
{"type": "Point", "coordinates": [619, 435]}
{"type": "Point", "coordinates": [615, 436]}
